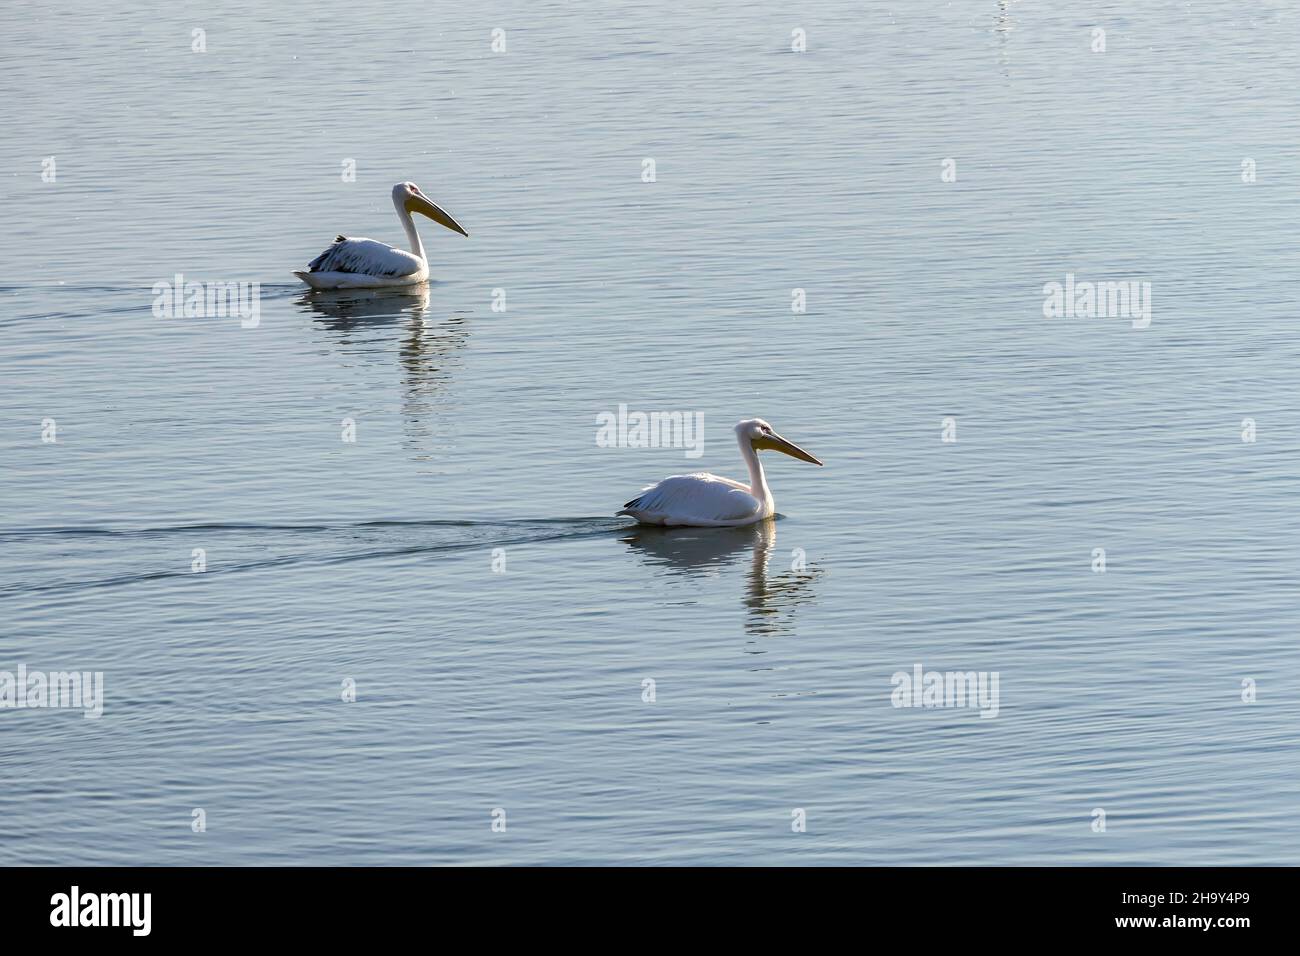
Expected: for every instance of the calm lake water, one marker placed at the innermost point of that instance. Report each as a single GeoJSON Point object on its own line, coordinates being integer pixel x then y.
{"type": "Point", "coordinates": [377, 563]}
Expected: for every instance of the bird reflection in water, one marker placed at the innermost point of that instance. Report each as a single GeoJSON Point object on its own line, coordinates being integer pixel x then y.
{"type": "Point", "coordinates": [427, 352]}
{"type": "Point", "coordinates": [353, 310]}
{"type": "Point", "coordinates": [1003, 26]}
{"type": "Point", "coordinates": [770, 599]}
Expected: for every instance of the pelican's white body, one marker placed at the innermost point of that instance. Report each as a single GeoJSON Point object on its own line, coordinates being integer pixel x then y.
{"type": "Point", "coordinates": [709, 501]}
{"type": "Point", "coordinates": [380, 265]}
{"type": "Point", "coordinates": [702, 500]}
{"type": "Point", "coordinates": [370, 264]}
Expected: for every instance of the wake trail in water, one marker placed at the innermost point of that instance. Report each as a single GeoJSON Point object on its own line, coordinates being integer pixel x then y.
{"type": "Point", "coordinates": [327, 544]}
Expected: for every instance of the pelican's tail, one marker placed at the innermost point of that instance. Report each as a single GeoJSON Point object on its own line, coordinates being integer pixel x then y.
{"type": "Point", "coordinates": [317, 280]}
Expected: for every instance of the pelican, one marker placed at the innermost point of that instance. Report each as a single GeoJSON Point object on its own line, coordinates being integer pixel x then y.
{"type": "Point", "coordinates": [708, 501]}
{"type": "Point", "coordinates": [371, 264]}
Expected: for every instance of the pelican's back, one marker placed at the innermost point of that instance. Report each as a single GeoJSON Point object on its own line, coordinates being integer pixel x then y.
{"type": "Point", "coordinates": [701, 499]}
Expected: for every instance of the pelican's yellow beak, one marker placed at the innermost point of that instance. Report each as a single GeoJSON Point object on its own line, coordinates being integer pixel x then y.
{"type": "Point", "coordinates": [775, 442]}
{"type": "Point", "coordinates": [435, 212]}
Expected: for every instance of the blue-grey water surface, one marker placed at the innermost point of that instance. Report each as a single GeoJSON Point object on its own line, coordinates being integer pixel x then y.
{"type": "Point", "coordinates": [771, 649]}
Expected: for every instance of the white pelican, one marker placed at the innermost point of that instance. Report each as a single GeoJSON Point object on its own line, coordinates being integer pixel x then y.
{"type": "Point", "coordinates": [707, 501]}
{"type": "Point", "coordinates": [370, 264]}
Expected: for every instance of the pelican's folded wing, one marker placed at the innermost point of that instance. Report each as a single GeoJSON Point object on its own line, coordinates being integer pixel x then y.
{"type": "Point", "coordinates": [702, 496]}
{"type": "Point", "coordinates": [365, 257]}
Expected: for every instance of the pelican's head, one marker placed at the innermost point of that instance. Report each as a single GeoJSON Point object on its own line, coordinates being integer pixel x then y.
{"type": "Point", "coordinates": [407, 196]}
{"type": "Point", "coordinates": [761, 437]}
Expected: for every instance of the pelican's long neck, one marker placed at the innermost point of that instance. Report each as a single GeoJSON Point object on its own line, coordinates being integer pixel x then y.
{"type": "Point", "coordinates": [757, 482]}
{"type": "Point", "coordinates": [413, 237]}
